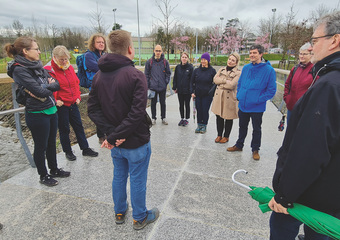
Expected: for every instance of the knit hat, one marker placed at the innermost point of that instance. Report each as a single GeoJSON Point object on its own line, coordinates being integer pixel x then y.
{"type": "Point", "coordinates": [206, 56]}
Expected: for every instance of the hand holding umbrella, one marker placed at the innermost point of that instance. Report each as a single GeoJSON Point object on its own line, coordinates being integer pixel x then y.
{"type": "Point", "coordinates": [318, 221]}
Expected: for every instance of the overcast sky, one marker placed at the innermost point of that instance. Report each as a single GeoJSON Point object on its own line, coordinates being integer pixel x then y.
{"type": "Point", "coordinates": [197, 14]}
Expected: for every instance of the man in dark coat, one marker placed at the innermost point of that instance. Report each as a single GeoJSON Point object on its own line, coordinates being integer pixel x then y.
{"type": "Point", "coordinates": [117, 106]}
{"type": "Point", "coordinates": [157, 72]}
{"type": "Point", "coordinates": [308, 165]}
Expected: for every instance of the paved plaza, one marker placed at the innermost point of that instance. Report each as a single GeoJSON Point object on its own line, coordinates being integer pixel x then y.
{"type": "Point", "coordinates": [189, 181]}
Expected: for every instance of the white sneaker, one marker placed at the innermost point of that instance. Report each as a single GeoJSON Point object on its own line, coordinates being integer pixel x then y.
{"type": "Point", "coordinates": [153, 121]}
{"type": "Point", "coordinates": [164, 122]}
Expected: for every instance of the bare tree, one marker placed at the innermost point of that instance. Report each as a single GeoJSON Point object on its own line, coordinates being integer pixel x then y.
{"type": "Point", "coordinates": [166, 10]}
{"type": "Point", "coordinates": [96, 19]}
{"type": "Point", "coordinates": [18, 27]}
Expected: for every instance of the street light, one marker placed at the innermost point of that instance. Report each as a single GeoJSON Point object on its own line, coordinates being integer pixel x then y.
{"type": "Point", "coordinates": [114, 17]}
{"type": "Point", "coordinates": [221, 18]}
{"type": "Point", "coordinates": [139, 46]}
{"type": "Point", "coordinates": [271, 30]}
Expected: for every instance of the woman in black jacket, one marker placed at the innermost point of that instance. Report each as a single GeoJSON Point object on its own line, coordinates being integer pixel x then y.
{"type": "Point", "coordinates": [201, 83]}
{"type": "Point", "coordinates": [181, 86]}
{"type": "Point", "coordinates": [27, 70]}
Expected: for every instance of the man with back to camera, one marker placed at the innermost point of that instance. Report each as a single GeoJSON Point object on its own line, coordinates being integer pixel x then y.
{"type": "Point", "coordinates": [157, 72]}
{"type": "Point", "coordinates": [256, 85]}
{"type": "Point", "coordinates": [308, 165]}
{"type": "Point", "coordinates": [117, 105]}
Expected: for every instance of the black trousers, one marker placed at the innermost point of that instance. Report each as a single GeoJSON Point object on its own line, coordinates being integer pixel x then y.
{"type": "Point", "coordinates": [162, 97]}
{"type": "Point", "coordinates": [184, 102]}
{"type": "Point", "coordinates": [44, 133]}
{"type": "Point", "coordinates": [223, 124]}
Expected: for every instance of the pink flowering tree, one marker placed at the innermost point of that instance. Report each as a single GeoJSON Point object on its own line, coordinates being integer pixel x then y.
{"type": "Point", "coordinates": [264, 41]}
{"type": "Point", "coordinates": [231, 40]}
{"type": "Point", "coordinates": [214, 39]}
{"type": "Point", "coordinates": [181, 43]}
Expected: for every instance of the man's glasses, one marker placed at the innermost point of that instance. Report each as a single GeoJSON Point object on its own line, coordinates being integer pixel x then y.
{"type": "Point", "coordinates": [313, 39]}
{"type": "Point", "coordinates": [304, 54]}
{"type": "Point", "coordinates": [158, 50]}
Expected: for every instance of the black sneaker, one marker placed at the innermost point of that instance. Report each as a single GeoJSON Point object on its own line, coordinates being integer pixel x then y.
{"type": "Point", "coordinates": [70, 156]}
{"type": "Point", "coordinates": [60, 173]}
{"type": "Point", "coordinates": [89, 152]}
{"type": "Point", "coordinates": [120, 217]}
{"type": "Point", "coordinates": [48, 181]}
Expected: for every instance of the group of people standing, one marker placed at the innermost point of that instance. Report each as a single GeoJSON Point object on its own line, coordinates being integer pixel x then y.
{"type": "Point", "coordinates": [308, 161]}
{"type": "Point", "coordinates": [232, 94]}
{"type": "Point", "coordinates": [53, 96]}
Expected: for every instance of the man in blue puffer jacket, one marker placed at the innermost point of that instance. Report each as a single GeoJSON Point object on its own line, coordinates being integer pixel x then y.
{"type": "Point", "coordinates": [157, 72]}
{"type": "Point", "coordinates": [256, 85]}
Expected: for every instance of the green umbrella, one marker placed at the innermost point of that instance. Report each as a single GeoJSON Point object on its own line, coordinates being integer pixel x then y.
{"type": "Point", "coordinates": [318, 221]}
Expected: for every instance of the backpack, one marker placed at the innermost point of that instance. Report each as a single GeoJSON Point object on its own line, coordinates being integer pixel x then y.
{"type": "Point", "coordinates": [84, 81]}
{"type": "Point", "coordinates": [164, 62]}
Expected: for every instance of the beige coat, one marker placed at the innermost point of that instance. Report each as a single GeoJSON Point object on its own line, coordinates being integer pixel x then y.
{"type": "Point", "coordinates": [225, 103]}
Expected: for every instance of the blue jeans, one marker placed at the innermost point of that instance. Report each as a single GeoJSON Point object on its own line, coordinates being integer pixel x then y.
{"type": "Point", "coordinates": [66, 116]}
{"type": "Point", "coordinates": [136, 163]}
{"type": "Point", "coordinates": [256, 120]}
{"type": "Point", "coordinates": [202, 107]}
{"type": "Point", "coordinates": [285, 227]}
{"type": "Point", "coordinates": [162, 97]}
{"type": "Point", "coordinates": [44, 133]}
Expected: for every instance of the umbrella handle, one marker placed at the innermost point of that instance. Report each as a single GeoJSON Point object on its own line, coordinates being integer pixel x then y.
{"type": "Point", "coordinates": [241, 184]}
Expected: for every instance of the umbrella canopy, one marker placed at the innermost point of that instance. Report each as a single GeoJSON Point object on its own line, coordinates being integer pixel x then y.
{"type": "Point", "coordinates": [318, 221]}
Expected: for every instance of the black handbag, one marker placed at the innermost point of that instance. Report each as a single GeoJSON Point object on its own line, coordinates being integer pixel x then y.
{"type": "Point", "coordinates": [21, 95]}
{"type": "Point", "coordinates": [212, 90]}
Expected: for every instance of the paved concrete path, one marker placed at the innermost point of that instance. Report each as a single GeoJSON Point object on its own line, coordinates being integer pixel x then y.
{"type": "Point", "coordinates": [189, 181]}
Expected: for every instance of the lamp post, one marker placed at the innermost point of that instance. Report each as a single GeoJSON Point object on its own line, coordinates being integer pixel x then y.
{"type": "Point", "coordinates": [221, 18]}
{"type": "Point", "coordinates": [114, 17]}
{"type": "Point", "coordinates": [271, 30]}
{"type": "Point", "coordinates": [139, 46]}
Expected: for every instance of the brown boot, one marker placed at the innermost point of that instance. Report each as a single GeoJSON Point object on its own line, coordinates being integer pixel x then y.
{"type": "Point", "coordinates": [224, 140]}
{"type": "Point", "coordinates": [256, 155]}
{"type": "Point", "coordinates": [218, 139]}
{"type": "Point", "coordinates": [234, 149]}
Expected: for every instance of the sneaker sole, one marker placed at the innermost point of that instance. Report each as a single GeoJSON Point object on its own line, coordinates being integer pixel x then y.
{"type": "Point", "coordinates": [49, 185]}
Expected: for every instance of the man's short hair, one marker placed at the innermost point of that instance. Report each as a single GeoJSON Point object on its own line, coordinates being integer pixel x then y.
{"type": "Point", "coordinates": [258, 47]}
{"type": "Point", "coordinates": [119, 41]}
{"type": "Point", "coordinates": [331, 21]}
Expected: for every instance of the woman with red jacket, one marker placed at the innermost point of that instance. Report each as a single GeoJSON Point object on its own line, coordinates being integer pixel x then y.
{"type": "Point", "coordinates": [68, 98]}
{"type": "Point", "coordinates": [299, 79]}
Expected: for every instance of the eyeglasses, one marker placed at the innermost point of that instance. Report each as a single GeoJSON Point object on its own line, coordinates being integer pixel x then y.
{"type": "Point", "coordinates": [158, 50]}
{"type": "Point", "coordinates": [312, 39]}
{"type": "Point", "coordinates": [304, 54]}
{"type": "Point", "coordinates": [36, 49]}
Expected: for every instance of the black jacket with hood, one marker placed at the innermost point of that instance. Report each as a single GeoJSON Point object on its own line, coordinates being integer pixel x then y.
{"type": "Point", "coordinates": [32, 76]}
{"type": "Point", "coordinates": [182, 78]}
{"type": "Point", "coordinates": [117, 101]}
{"type": "Point", "coordinates": [158, 73]}
{"type": "Point", "coordinates": [308, 165]}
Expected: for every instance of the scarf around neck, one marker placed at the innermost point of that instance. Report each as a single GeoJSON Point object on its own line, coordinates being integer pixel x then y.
{"type": "Point", "coordinates": [60, 66]}
{"type": "Point", "coordinates": [35, 66]}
